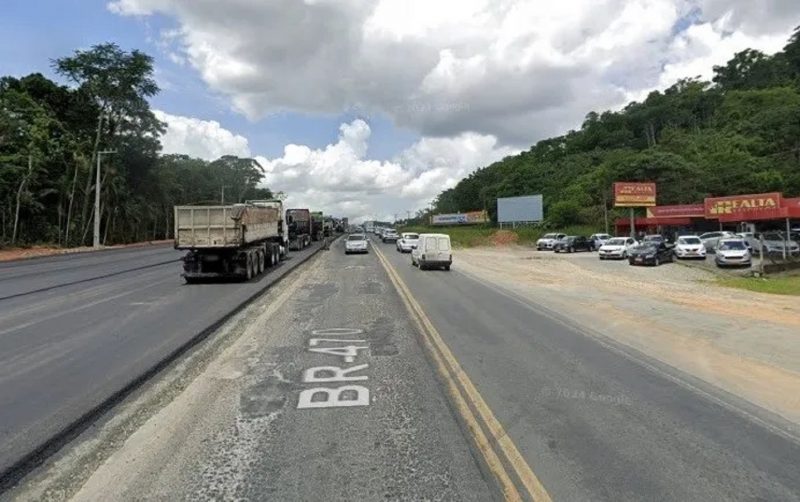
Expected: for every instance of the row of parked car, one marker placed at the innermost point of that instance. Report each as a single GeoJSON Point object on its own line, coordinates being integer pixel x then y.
{"type": "Point", "coordinates": [729, 249]}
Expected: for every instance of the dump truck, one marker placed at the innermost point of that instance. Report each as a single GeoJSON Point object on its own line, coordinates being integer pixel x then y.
{"type": "Point", "coordinates": [237, 241]}
{"type": "Point", "coordinates": [317, 222]}
{"type": "Point", "coordinates": [299, 221]}
{"type": "Point", "coordinates": [327, 226]}
{"type": "Point", "coordinates": [283, 225]}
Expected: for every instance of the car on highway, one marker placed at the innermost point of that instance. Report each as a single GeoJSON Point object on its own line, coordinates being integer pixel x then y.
{"type": "Point", "coordinates": [616, 248]}
{"type": "Point", "coordinates": [732, 253]}
{"type": "Point", "coordinates": [356, 243]}
{"type": "Point", "coordinates": [598, 240]}
{"type": "Point", "coordinates": [432, 251]}
{"type": "Point", "coordinates": [573, 243]}
{"type": "Point", "coordinates": [390, 235]}
{"type": "Point", "coordinates": [548, 241]}
{"type": "Point", "coordinates": [650, 253]}
{"type": "Point", "coordinates": [689, 246]}
{"type": "Point", "coordinates": [710, 239]}
{"type": "Point", "coordinates": [407, 242]}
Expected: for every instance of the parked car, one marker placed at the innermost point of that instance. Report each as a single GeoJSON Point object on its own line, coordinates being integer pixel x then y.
{"type": "Point", "coordinates": [655, 238]}
{"type": "Point", "coordinates": [598, 240]}
{"type": "Point", "coordinates": [616, 248]}
{"type": "Point", "coordinates": [689, 246]}
{"type": "Point", "coordinates": [711, 239]}
{"type": "Point", "coordinates": [650, 253]}
{"type": "Point", "coordinates": [548, 241]}
{"type": "Point", "coordinates": [390, 235]}
{"type": "Point", "coordinates": [732, 252]}
{"type": "Point", "coordinates": [432, 251]}
{"type": "Point", "coordinates": [572, 243]}
{"type": "Point", "coordinates": [774, 244]}
{"type": "Point", "coordinates": [407, 242]}
{"type": "Point", "coordinates": [356, 243]}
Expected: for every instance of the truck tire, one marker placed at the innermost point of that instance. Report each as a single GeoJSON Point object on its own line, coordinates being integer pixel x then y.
{"type": "Point", "coordinates": [276, 255]}
{"type": "Point", "coordinates": [248, 268]}
{"type": "Point", "coordinates": [261, 260]}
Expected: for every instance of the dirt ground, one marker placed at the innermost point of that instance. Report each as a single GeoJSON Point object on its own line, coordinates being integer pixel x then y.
{"type": "Point", "coordinates": [743, 342]}
{"type": "Point", "coordinates": [32, 252]}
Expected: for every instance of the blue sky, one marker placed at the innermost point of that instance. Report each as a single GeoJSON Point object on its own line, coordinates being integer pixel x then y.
{"type": "Point", "coordinates": [34, 32]}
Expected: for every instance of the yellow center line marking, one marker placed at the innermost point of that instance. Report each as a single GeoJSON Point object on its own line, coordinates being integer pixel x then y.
{"type": "Point", "coordinates": [451, 370]}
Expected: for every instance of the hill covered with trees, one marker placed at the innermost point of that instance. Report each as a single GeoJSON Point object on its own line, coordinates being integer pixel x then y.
{"type": "Point", "coordinates": [738, 134]}
{"type": "Point", "coordinates": [50, 139]}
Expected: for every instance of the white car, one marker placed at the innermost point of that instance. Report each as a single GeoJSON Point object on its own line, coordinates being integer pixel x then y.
{"type": "Point", "coordinates": [407, 242]}
{"type": "Point", "coordinates": [616, 248]}
{"type": "Point", "coordinates": [711, 239]}
{"type": "Point", "coordinates": [598, 240]}
{"type": "Point", "coordinates": [689, 246]}
{"type": "Point", "coordinates": [732, 252]}
{"type": "Point", "coordinates": [548, 241]}
{"type": "Point", "coordinates": [432, 251]}
{"type": "Point", "coordinates": [356, 243]}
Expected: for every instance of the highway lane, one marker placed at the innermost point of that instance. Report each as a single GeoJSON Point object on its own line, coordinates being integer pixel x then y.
{"type": "Point", "coordinates": [592, 423]}
{"type": "Point", "coordinates": [66, 349]}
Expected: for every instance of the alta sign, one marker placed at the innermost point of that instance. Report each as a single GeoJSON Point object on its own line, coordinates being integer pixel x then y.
{"type": "Point", "coordinates": [743, 206]}
{"type": "Point", "coordinates": [631, 194]}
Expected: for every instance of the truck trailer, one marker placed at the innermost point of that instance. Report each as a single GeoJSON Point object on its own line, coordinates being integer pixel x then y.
{"type": "Point", "coordinates": [317, 223]}
{"type": "Point", "coordinates": [237, 241]}
{"type": "Point", "coordinates": [299, 221]}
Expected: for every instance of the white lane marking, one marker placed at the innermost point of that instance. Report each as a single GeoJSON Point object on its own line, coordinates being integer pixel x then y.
{"type": "Point", "coordinates": [333, 397]}
{"type": "Point", "coordinates": [313, 342]}
{"type": "Point", "coordinates": [337, 331]}
{"type": "Point", "coordinates": [347, 352]}
{"type": "Point", "coordinates": [313, 375]}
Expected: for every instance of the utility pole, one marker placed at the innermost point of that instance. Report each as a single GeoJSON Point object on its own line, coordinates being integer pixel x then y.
{"type": "Point", "coordinates": [96, 238]}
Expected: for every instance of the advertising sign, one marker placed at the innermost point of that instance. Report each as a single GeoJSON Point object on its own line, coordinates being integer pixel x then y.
{"type": "Point", "coordinates": [679, 211]}
{"type": "Point", "coordinates": [467, 218]}
{"type": "Point", "coordinates": [634, 194]}
{"type": "Point", "coordinates": [527, 208]}
{"type": "Point", "coordinates": [744, 207]}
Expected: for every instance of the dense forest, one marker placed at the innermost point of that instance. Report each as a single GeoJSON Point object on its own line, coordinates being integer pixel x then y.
{"type": "Point", "coordinates": [738, 134]}
{"type": "Point", "coordinates": [51, 136]}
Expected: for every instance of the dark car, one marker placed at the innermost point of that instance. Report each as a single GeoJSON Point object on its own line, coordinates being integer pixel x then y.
{"type": "Point", "coordinates": [650, 253]}
{"type": "Point", "coordinates": [572, 243]}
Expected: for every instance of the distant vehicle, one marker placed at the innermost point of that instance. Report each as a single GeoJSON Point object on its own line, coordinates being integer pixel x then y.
{"type": "Point", "coordinates": [656, 238]}
{"type": "Point", "coordinates": [598, 240]}
{"type": "Point", "coordinates": [616, 248]}
{"type": "Point", "coordinates": [689, 246]}
{"type": "Point", "coordinates": [317, 225]}
{"type": "Point", "coordinates": [732, 252]}
{"type": "Point", "coordinates": [710, 239]}
{"type": "Point", "coordinates": [407, 242]}
{"type": "Point", "coordinates": [432, 251]}
{"type": "Point", "coordinates": [573, 243]}
{"type": "Point", "coordinates": [774, 244]}
{"type": "Point", "coordinates": [356, 243]}
{"type": "Point", "coordinates": [390, 235]}
{"type": "Point", "coordinates": [650, 253]}
{"type": "Point", "coordinates": [548, 241]}
{"type": "Point", "coordinates": [299, 224]}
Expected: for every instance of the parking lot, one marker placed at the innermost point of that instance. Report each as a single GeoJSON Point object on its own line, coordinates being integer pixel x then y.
{"type": "Point", "coordinates": [674, 313]}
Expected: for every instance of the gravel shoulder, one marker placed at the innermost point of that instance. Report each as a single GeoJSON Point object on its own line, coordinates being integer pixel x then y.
{"type": "Point", "coordinates": [743, 342]}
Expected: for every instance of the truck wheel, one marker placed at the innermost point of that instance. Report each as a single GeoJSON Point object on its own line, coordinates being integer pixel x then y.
{"type": "Point", "coordinates": [276, 255]}
{"type": "Point", "coordinates": [249, 267]}
{"type": "Point", "coordinates": [190, 280]}
{"type": "Point", "coordinates": [447, 267]}
{"type": "Point", "coordinates": [261, 262]}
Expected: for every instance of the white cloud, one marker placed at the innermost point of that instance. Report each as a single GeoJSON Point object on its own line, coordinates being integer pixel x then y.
{"type": "Point", "coordinates": [340, 179]}
{"type": "Point", "coordinates": [205, 139]}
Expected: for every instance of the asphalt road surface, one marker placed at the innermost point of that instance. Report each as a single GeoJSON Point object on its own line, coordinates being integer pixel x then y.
{"type": "Point", "coordinates": [325, 392]}
{"type": "Point", "coordinates": [75, 329]}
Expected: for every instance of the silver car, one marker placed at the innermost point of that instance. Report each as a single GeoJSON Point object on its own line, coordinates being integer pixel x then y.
{"type": "Point", "coordinates": [356, 243]}
{"type": "Point", "coordinates": [733, 253]}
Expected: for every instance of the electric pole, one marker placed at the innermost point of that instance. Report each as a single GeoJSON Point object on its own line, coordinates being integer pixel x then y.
{"type": "Point", "coordinates": [96, 237]}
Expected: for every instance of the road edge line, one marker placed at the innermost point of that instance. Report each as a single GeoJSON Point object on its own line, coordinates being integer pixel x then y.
{"type": "Point", "coordinates": [455, 373]}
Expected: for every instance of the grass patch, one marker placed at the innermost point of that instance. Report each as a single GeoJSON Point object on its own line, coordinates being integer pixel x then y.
{"type": "Point", "coordinates": [483, 235]}
{"type": "Point", "coordinates": [788, 285]}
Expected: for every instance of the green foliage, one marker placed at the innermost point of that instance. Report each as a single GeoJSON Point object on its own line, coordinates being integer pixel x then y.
{"type": "Point", "coordinates": [786, 285]}
{"type": "Point", "coordinates": [739, 134]}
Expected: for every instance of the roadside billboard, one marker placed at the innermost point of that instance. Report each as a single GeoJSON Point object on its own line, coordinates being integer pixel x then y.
{"type": "Point", "coordinates": [758, 206]}
{"type": "Point", "coordinates": [527, 208]}
{"type": "Point", "coordinates": [634, 194]}
{"type": "Point", "coordinates": [468, 218]}
{"type": "Point", "coordinates": [677, 211]}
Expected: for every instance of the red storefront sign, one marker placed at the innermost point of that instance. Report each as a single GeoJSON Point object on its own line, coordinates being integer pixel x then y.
{"type": "Point", "coordinates": [762, 206]}
{"type": "Point", "coordinates": [634, 194]}
{"type": "Point", "coordinates": [679, 211]}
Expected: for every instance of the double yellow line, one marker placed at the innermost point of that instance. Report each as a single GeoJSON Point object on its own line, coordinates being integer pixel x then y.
{"type": "Point", "coordinates": [490, 438]}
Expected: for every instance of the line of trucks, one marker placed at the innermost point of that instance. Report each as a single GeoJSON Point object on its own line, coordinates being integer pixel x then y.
{"type": "Point", "coordinates": [240, 241]}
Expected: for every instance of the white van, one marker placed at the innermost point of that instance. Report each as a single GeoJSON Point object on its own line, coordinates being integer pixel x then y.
{"type": "Point", "coordinates": [432, 251]}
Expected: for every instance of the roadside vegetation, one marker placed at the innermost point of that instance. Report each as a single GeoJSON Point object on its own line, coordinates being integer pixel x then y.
{"type": "Point", "coordinates": [776, 285]}
{"type": "Point", "coordinates": [51, 135]}
{"type": "Point", "coordinates": [485, 235]}
{"type": "Point", "coordinates": [737, 134]}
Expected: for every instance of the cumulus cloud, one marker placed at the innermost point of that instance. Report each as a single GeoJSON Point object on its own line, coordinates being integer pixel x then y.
{"type": "Point", "coordinates": [514, 69]}
{"type": "Point", "coordinates": [341, 180]}
{"type": "Point", "coordinates": [205, 139]}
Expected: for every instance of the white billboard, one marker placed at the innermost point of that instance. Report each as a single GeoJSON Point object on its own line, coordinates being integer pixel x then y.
{"type": "Point", "coordinates": [525, 209]}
